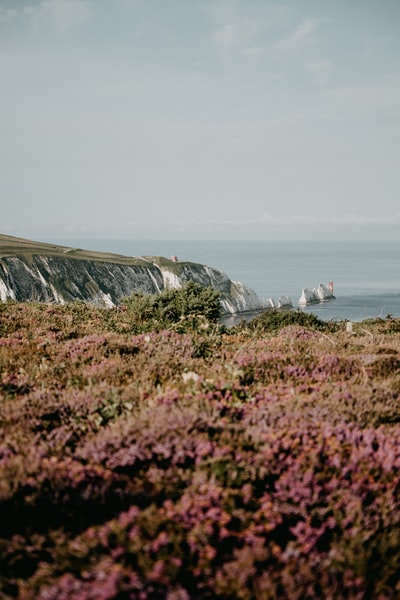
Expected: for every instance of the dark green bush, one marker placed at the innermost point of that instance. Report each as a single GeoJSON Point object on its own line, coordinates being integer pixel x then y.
{"type": "Point", "coordinates": [274, 320]}
{"type": "Point", "coordinates": [191, 306]}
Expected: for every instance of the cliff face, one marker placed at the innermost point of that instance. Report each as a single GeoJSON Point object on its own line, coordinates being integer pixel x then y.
{"type": "Point", "coordinates": [47, 273]}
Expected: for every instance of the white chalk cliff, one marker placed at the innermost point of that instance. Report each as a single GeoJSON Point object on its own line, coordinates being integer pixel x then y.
{"type": "Point", "coordinates": [50, 273]}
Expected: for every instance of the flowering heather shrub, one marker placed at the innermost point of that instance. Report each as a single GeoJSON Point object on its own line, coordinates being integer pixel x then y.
{"type": "Point", "coordinates": [261, 462]}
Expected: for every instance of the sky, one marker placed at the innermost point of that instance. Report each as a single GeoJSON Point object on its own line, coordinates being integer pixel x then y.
{"type": "Point", "coordinates": [200, 119]}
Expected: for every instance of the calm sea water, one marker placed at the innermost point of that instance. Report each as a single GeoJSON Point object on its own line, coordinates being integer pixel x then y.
{"type": "Point", "coordinates": [366, 275]}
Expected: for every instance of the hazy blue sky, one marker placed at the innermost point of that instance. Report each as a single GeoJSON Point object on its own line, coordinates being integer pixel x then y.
{"type": "Point", "coordinates": [200, 118]}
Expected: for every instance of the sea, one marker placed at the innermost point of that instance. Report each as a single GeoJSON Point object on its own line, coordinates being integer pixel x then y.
{"type": "Point", "coordinates": [365, 275]}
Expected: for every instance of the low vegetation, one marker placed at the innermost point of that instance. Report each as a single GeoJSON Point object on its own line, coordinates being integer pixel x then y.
{"type": "Point", "coordinates": [189, 307]}
{"type": "Point", "coordinates": [147, 452]}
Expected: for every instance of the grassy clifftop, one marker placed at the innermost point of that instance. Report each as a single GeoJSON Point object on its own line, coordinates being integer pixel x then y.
{"type": "Point", "coordinates": [15, 246]}
{"type": "Point", "coordinates": [25, 249]}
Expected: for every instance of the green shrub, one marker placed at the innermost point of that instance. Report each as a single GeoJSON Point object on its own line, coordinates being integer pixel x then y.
{"type": "Point", "coordinates": [192, 306]}
{"type": "Point", "coordinates": [274, 320]}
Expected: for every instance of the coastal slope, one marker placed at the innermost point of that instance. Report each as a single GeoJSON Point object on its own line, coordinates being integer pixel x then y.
{"type": "Point", "coordinates": [45, 272]}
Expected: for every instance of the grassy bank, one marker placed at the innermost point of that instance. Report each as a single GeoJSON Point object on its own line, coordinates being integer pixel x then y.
{"type": "Point", "coordinates": [196, 462]}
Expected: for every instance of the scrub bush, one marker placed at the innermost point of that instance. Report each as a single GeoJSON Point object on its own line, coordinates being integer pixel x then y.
{"type": "Point", "coordinates": [190, 307]}
{"type": "Point", "coordinates": [274, 320]}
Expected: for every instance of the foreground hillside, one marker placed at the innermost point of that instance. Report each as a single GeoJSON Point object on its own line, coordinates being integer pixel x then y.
{"type": "Point", "coordinates": [260, 462]}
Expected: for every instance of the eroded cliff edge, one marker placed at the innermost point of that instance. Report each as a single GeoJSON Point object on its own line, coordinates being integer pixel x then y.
{"type": "Point", "coordinates": [50, 273]}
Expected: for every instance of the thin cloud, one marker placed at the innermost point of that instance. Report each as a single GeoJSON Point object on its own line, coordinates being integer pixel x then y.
{"type": "Point", "coordinates": [320, 69]}
{"type": "Point", "coordinates": [237, 37]}
{"type": "Point", "coordinates": [60, 14]}
{"type": "Point", "coordinates": [252, 36]}
{"type": "Point", "coordinates": [7, 15]}
{"type": "Point", "coordinates": [348, 219]}
{"type": "Point", "coordinates": [320, 65]}
{"type": "Point", "coordinates": [302, 36]}
{"type": "Point", "coordinates": [222, 10]}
